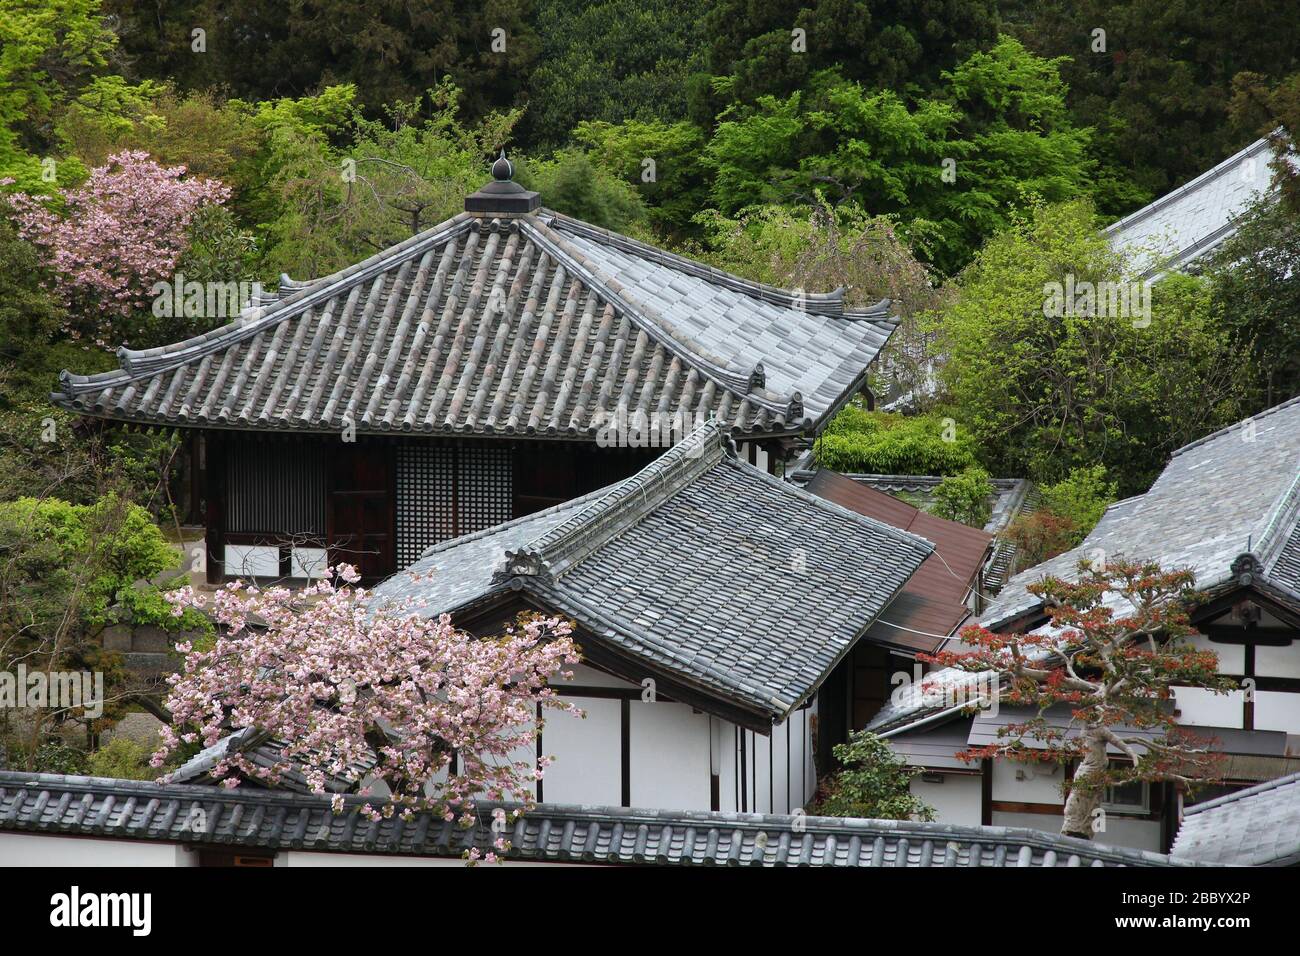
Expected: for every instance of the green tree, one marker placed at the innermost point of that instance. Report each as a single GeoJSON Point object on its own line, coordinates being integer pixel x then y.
{"type": "Point", "coordinates": [965, 497]}
{"type": "Point", "coordinates": [952, 167]}
{"type": "Point", "coordinates": [882, 44]}
{"type": "Point", "coordinates": [1046, 389]}
{"type": "Point", "coordinates": [1160, 90]}
{"type": "Point", "coordinates": [873, 784]}
{"type": "Point", "coordinates": [569, 182]}
{"type": "Point", "coordinates": [389, 50]}
{"type": "Point", "coordinates": [1256, 292]}
{"type": "Point", "coordinates": [859, 441]}
{"type": "Point", "coordinates": [661, 161]}
{"type": "Point", "coordinates": [611, 62]}
{"type": "Point", "coordinates": [66, 572]}
{"type": "Point", "coordinates": [48, 50]}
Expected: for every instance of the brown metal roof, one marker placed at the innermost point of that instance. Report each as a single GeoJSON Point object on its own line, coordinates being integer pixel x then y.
{"type": "Point", "coordinates": [932, 605]}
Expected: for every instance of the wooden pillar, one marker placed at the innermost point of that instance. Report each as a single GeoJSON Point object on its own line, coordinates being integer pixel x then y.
{"type": "Point", "coordinates": [214, 475]}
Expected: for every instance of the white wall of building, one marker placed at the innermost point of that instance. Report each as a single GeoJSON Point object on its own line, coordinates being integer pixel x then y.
{"type": "Point", "coordinates": [955, 797]}
{"type": "Point", "coordinates": [27, 849]}
{"type": "Point", "coordinates": [675, 751]}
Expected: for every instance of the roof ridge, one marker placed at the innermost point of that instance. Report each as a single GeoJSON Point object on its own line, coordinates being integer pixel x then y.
{"type": "Point", "coordinates": [1212, 173]}
{"type": "Point", "coordinates": [1226, 429]}
{"type": "Point", "coordinates": [1259, 788]}
{"type": "Point", "coordinates": [138, 363]}
{"type": "Point", "coordinates": [609, 513]}
{"type": "Point", "coordinates": [818, 303]}
{"type": "Point", "coordinates": [745, 383]}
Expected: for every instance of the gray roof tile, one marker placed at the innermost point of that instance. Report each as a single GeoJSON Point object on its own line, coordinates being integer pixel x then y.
{"type": "Point", "coordinates": [136, 810]}
{"type": "Point", "coordinates": [537, 324]}
{"type": "Point", "coordinates": [1259, 826]}
{"type": "Point", "coordinates": [1185, 224]}
{"type": "Point", "coordinates": [740, 583]}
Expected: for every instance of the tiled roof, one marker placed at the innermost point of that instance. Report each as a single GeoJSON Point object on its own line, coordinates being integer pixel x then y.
{"type": "Point", "coordinates": [532, 324]}
{"type": "Point", "coordinates": [1232, 493]}
{"type": "Point", "coordinates": [932, 604]}
{"type": "Point", "coordinates": [134, 810]}
{"type": "Point", "coordinates": [743, 585]}
{"type": "Point", "coordinates": [1012, 497]}
{"type": "Point", "coordinates": [1185, 224]}
{"type": "Point", "coordinates": [1259, 826]}
{"type": "Point", "coordinates": [266, 752]}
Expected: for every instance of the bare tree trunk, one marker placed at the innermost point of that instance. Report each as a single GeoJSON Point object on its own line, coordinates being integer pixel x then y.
{"type": "Point", "coordinates": [1085, 794]}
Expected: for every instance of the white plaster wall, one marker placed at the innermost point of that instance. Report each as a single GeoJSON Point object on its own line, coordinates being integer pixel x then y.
{"type": "Point", "coordinates": [247, 560]}
{"type": "Point", "coordinates": [1042, 784]}
{"type": "Point", "coordinates": [956, 800]}
{"type": "Point", "coordinates": [587, 751]}
{"type": "Point", "coordinates": [1198, 707]}
{"type": "Point", "coordinates": [669, 746]}
{"type": "Point", "coordinates": [586, 676]}
{"type": "Point", "coordinates": [1277, 710]}
{"type": "Point", "coordinates": [1120, 831]}
{"type": "Point", "coordinates": [26, 849]}
{"type": "Point", "coordinates": [1277, 661]}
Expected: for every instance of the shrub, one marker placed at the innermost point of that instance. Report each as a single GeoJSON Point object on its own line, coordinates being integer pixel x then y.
{"type": "Point", "coordinates": [877, 442]}
{"type": "Point", "coordinates": [1039, 536]}
{"type": "Point", "coordinates": [1082, 497]}
{"type": "Point", "coordinates": [965, 497]}
{"type": "Point", "coordinates": [122, 759]}
{"type": "Point", "coordinates": [873, 783]}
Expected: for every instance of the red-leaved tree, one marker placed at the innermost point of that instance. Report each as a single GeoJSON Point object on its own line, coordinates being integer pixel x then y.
{"type": "Point", "coordinates": [369, 696]}
{"type": "Point", "coordinates": [1113, 654]}
{"type": "Point", "coordinates": [111, 238]}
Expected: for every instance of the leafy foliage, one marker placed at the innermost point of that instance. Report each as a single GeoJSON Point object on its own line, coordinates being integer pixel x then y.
{"type": "Point", "coordinates": [1045, 393]}
{"type": "Point", "coordinates": [965, 497]}
{"type": "Point", "coordinates": [878, 443]}
{"type": "Point", "coordinates": [873, 783]}
{"type": "Point", "coordinates": [121, 759]}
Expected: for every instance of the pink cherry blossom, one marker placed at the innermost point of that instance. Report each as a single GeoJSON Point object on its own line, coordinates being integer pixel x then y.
{"type": "Point", "coordinates": [119, 232]}
{"type": "Point", "coordinates": [448, 718]}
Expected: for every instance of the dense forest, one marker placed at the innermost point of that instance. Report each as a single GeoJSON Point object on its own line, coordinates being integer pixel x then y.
{"type": "Point", "coordinates": [953, 155]}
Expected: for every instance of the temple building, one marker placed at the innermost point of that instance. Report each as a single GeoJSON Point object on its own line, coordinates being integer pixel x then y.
{"type": "Point", "coordinates": [498, 364]}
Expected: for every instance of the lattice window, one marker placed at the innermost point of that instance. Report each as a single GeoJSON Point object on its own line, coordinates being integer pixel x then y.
{"type": "Point", "coordinates": [444, 491]}
{"type": "Point", "coordinates": [275, 488]}
{"type": "Point", "coordinates": [425, 502]}
{"type": "Point", "coordinates": [484, 491]}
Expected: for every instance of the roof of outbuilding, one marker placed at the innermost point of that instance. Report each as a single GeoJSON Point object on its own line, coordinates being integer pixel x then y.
{"type": "Point", "coordinates": [1189, 222]}
{"type": "Point", "coordinates": [530, 324]}
{"type": "Point", "coordinates": [1226, 504]}
{"type": "Point", "coordinates": [742, 585]}
{"type": "Point", "coordinates": [1012, 497]}
{"type": "Point", "coordinates": [1259, 826]}
{"type": "Point", "coordinates": [1233, 493]}
{"type": "Point", "coordinates": [136, 810]}
{"type": "Point", "coordinates": [932, 605]}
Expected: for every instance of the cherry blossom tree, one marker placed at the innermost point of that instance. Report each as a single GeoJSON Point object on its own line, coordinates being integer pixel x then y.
{"type": "Point", "coordinates": [370, 695]}
{"type": "Point", "coordinates": [111, 238]}
{"type": "Point", "coordinates": [1114, 653]}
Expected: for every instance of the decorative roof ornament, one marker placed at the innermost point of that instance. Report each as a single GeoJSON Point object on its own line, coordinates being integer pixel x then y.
{"type": "Point", "coordinates": [503, 170]}
{"type": "Point", "coordinates": [503, 196]}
